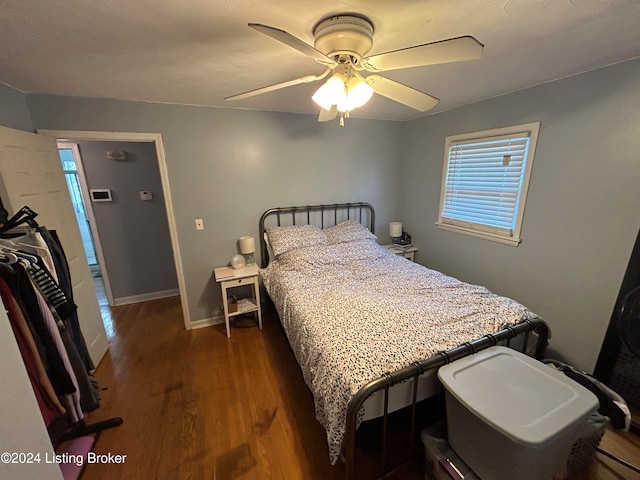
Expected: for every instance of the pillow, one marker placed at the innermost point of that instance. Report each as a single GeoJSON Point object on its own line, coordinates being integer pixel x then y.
{"type": "Point", "coordinates": [269, 249]}
{"type": "Point", "coordinates": [284, 239]}
{"type": "Point", "coordinates": [348, 231]}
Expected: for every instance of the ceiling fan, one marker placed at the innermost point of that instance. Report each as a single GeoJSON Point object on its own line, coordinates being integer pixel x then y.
{"type": "Point", "coordinates": [341, 43]}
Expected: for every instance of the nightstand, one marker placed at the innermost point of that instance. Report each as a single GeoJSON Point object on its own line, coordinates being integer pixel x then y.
{"type": "Point", "coordinates": [230, 278]}
{"type": "Point", "coordinates": [407, 252]}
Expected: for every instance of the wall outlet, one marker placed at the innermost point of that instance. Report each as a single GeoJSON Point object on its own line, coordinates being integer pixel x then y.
{"type": "Point", "coordinates": [199, 224]}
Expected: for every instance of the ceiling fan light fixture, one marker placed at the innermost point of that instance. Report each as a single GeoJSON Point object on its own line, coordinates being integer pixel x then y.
{"type": "Point", "coordinates": [330, 92]}
{"type": "Point", "coordinates": [357, 93]}
{"type": "Point", "coordinates": [346, 91]}
{"type": "Point", "coordinates": [341, 44]}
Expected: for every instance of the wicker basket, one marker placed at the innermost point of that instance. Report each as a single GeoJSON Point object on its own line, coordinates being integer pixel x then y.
{"type": "Point", "coordinates": [624, 378]}
{"type": "Point", "coordinates": [592, 430]}
{"type": "Point", "coordinates": [584, 448]}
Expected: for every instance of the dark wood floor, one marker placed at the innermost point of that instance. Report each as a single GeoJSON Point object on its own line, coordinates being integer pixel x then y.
{"type": "Point", "coordinates": [199, 405]}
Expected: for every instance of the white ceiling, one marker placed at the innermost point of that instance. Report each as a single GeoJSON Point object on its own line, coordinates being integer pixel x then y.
{"type": "Point", "coordinates": [197, 52]}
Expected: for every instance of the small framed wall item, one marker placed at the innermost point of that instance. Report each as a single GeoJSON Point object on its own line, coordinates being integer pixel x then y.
{"type": "Point", "coordinates": [100, 194]}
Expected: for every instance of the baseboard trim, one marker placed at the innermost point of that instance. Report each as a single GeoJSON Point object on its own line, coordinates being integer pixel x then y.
{"type": "Point", "coordinates": [207, 322]}
{"type": "Point", "coordinates": [146, 297]}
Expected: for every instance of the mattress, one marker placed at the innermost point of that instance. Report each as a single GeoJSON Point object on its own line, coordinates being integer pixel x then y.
{"type": "Point", "coordinates": [353, 311]}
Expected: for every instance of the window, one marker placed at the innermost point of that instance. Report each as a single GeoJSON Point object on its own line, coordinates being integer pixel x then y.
{"type": "Point", "coordinates": [485, 180]}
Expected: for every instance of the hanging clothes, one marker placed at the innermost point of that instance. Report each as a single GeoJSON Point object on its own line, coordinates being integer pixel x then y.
{"type": "Point", "coordinates": [17, 278]}
{"type": "Point", "coordinates": [50, 406]}
{"type": "Point", "coordinates": [52, 240]}
{"type": "Point", "coordinates": [36, 290]}
{"type": "Point", "coordinates": [85, 381]}
{"type": "Point", "coordinates": [40, 284]}
{"type": "Point", "coordinates": [71, 401]}
{"type": "Point", "coordinates": [58, 295]}
{"type": "Point", "coordinates": [49, 288]}
{"type": "Point", "coordinates": [32, 242]}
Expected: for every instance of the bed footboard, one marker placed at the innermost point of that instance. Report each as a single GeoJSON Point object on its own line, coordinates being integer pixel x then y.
{"type": "Point", "coordinates": [533, 345]}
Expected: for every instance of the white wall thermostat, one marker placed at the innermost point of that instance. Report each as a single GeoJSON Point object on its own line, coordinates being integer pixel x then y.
{"type": "Point", "coordinates": [100, 195]}
{"type": "Point", "coordinates": [145, 195]}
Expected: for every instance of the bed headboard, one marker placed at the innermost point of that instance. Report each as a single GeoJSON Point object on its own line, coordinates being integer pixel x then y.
{"type": "Point", "coordinates": [320, 215]}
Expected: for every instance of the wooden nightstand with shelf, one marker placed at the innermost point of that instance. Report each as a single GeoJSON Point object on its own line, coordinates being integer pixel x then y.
{"type": "Point", "coordinates": [407, 252]}
{"type": "Point", "coordinates": [230, 278]}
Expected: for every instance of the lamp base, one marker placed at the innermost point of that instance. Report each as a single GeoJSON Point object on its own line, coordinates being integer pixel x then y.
{"type": "Point", "coordinates": [249, 258]}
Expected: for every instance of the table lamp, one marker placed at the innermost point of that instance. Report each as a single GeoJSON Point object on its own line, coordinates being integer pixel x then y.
{"type": "Point", "coordinates": [395, 231]}
{"type": "Point", "coordinates": [247, 248]}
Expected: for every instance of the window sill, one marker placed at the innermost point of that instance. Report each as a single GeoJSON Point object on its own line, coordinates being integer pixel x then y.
{"type": "Point", "coordinates": [512, 241]}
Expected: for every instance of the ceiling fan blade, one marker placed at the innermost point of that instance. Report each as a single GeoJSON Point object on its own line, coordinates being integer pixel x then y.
{"type": "Point", "coordinates": [445, 51]}
{"type": "Point", "coordinates": [401, 93]}
{"type": "Point", "coordinates": [328, 115]}
{"type": "Point", "coordinates": [278, 86]}
{"type": "Point", "coordinates": [293, 42]}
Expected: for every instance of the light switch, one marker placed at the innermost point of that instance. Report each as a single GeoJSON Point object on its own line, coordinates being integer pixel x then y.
{"type": "Point", "coordinates": [199, 224]}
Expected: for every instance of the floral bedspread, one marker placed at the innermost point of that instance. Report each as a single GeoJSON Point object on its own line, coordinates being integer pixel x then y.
{"type": "Point", "coordinates": [353, 310]}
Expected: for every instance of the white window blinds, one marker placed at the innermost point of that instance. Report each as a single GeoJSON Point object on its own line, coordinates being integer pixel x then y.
{"type": "Point", "coordinates": [483, 183]}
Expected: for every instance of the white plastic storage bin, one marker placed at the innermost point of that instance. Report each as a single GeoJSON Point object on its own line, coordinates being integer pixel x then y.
{"type": "Point", "coordinates": [512, 417]}
{"type": "Point", "coordinates": [440, 461]}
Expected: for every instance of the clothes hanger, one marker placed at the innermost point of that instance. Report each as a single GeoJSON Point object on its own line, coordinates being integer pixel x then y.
{"type": "Point", "coordinates": [22, 216]}
{"type": "Point", "coordinates": [18, 254]}
{"type": "Point", "coordinates": [19, 243]}
{"type": "Point", "coordinates": [4, 215]}
{"type": "Point", "coordinates": [8, 258]}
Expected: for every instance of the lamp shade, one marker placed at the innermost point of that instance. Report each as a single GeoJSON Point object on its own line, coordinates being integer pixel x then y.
{"type": "Point", "coordinates": [395, 229]}
{"type": "Point", "coordinates": [346, 89]}
{"type": "Point", "coordinates": [329, 93]}
{"type": "Point", "coordinates": [247, 244]}
{"type": "Point", "coordinates": [357, 93]}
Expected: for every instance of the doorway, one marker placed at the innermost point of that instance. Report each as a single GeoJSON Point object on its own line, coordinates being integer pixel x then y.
{"type": "Point", "coordinates": [77, 185]}
{"type": "Point", "coordinates": [156, 140]}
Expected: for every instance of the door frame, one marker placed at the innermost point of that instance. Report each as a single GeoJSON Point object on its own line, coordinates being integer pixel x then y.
{"type": "Point", "coordinates": [97, 244]}
{"type": "Point", "coordinates": [156, 139]}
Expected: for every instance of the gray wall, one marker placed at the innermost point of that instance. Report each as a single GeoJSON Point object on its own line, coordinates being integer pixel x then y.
{"type": "Point", "coordinates": [14, 111]}
{"type": "Point", "coordinates": [134, 234]}
{"type": "Point", "coordinates": [228, 166]}
{"type": "Point", "coordinates": [582, 213]}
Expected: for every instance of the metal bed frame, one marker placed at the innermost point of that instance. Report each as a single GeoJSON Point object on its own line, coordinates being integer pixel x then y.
{"type": "Point", "coordinates": [534, 335]}
{"type": "Point", "coordinates": [322, 214]}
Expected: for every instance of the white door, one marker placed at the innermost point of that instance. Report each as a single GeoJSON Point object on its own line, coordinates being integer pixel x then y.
{"type": "Point", "coordinates": [31, 174]}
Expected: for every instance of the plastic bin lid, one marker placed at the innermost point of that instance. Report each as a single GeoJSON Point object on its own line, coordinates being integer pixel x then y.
{"type": "Point", "coordinates": [522, 398]}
